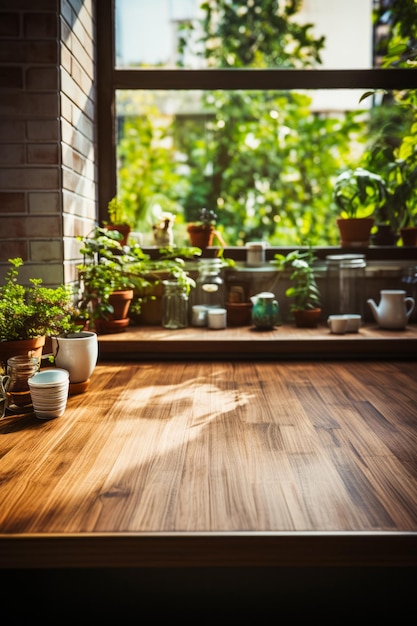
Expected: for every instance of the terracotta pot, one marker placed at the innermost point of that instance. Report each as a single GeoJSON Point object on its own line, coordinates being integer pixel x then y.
{"type": "Point", "coordinates": [20, 347]}
{"type": "Point", "coordinates": [123, 229]}
{"type": "Point", "coordinates": [355, 232]}
{"type": "Point", "coordinates": [308, 318]}
{"type": "Point", "coordinates": [409, 235]}
{"type": "Point", "coordinates": [120, 301]}
{"type": "Point", "coordinates": [108, 327]}
{"type": "Point", "coordinates": [119, 320]}
{"type": "Point", "coordinates": [201, 235]}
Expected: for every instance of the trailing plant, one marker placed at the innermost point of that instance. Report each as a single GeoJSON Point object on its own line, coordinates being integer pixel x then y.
{"type": "Point", "coordinates": [108, 266]}
{"type": "Point", "coordinates": [304, 291]}
{"type": "Point", "coordinates": [27, 312]}
{"type": "Point", "coordinates": [101, 272]}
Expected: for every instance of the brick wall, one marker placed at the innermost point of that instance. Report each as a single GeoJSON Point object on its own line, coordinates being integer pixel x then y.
{"type": "Point", "coordinates": [48, 174]}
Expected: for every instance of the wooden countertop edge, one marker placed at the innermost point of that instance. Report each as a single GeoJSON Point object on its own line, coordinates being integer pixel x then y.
{"type": "Point", "coordinates": [154, 342]}
{"type": "Point", "coordinates": [234, 549]}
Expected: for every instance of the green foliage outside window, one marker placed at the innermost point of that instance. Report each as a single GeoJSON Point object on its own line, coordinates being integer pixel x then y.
{"type": "Point", "coordinates": [263, 161]}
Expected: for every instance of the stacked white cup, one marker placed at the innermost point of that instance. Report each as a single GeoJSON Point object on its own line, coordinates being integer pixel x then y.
{"type": "Point", "coordinates": [49, 392]}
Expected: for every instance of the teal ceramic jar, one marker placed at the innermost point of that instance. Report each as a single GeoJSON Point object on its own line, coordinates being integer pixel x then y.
{"type": "Point", "coordinates": [265, 310]}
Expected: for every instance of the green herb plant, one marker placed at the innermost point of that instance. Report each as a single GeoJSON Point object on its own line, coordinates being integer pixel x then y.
{"type": "Point", "coordinates": [27, 312]}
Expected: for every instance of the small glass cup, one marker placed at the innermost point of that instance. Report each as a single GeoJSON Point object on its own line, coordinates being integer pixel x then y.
{"type": "Point", "coordinates": [19, 370]}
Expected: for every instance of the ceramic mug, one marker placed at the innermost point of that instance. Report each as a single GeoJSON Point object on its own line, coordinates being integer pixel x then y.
{"type": "Point", "coordinates": [354, 322]}
{"type": "Point", "coordinates": [337, 324]}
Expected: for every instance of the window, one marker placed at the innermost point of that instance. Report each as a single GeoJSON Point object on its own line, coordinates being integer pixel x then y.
{"type": "Point", "coordinates": [277, 182]}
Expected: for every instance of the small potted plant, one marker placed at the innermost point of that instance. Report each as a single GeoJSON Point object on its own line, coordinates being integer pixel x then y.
{"type": "Point", "coordinates": [202, 232]}
{"type": "Point", "coordinates": [358, 193]}
{"type": "Point", "coordinates": [106, 287]}
{"type": "Point", "coordinates": [118, 219]}
{"type": "Point", "coordinates": [29, 314]}
{"type": "Point", "coordinates": [305, 294]}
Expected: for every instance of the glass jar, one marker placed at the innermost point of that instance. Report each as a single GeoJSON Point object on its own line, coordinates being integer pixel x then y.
{"type": "Point", "coordinates": [210, 289]}
{"type": "Point", "coordinates": [19, 370]}
{"type": "Point", "coordinates": [346, 286]}
{"type": "Point", "coordinates": [174, 305]}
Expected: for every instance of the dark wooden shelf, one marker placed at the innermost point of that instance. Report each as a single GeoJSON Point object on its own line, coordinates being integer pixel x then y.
{"type": "Point", "coordinates": [283, 342]}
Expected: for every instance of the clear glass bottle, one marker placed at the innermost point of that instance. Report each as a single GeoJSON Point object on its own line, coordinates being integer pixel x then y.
{"type": "Point", "coordinates": [174, 305]}
{"type": "Point", "coordinates": [210, 289]}
{"type": "Point", "coordinates": [19, 370]}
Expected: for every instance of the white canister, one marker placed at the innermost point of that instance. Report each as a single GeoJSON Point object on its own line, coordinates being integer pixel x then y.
{"type": "Point", "coordinates": [199, 315]}
{"type": "Point", "coordinates": [216, 318]}
{"type": "Point", "coordinates": [255, 253]}
{"type": "Point", "coordinates": [77, 353]}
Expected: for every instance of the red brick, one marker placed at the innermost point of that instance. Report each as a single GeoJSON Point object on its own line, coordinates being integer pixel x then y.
{"type": "Point", "coordinates": [12, 202]}
{"type": "Point", "coordinates": [11, 249]}
{"type": "Point", "coordinates": [11, 77]}
{"type": "Point", "coordinates": [42, 79]}
{"type": "Point", "coordinates": [32, 227]}
{"type": "Point", "coordinates": [43, 154]}
{"type": "Point", "coordinates": [40, 25]}
{"type": "Point", "coordinates": [12, 154]}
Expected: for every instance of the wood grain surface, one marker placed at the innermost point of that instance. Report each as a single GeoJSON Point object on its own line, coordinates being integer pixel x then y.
{"type": "Point", "coordinates": [241, 453]}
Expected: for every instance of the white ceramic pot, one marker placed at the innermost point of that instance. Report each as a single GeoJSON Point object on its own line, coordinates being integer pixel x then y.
{"type": "Point", "coordinates": [77, 353]}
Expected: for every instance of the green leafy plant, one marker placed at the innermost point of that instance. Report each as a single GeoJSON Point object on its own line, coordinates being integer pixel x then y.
{"type": "Point", "coordinates": [304, 290]}
{"type": "Point", "coordinates": [27, 312]}
{"type": "Point", "coordinates": [117, 212]}
{"type": "Point", "coordinates": [207, 217]}
{"type": "Point", "coordinates": [108, 266]}
{"type": "Point", "coordinates": [102, 272]}
{"type": "Point", "coordinates": [359, 192]}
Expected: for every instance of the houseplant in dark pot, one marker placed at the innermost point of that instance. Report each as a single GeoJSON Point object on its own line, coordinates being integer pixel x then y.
{"type": "Point", "coordinates": [304, 292]}
{"type": "Point", "coordinates": [358, 193]}
{"type": "Point", "coordinates": [30, 313]}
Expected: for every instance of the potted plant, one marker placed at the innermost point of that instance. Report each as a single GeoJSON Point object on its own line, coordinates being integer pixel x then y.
{"type": "Point", "coordinates": [401, 204]}
{"type": "Point", "coordinates": [306, 304]}
{"type": "Point", "coordinates": [110, 271]}
{"type": "Point", "coordinates": [29, 314]}
{"type": "Point", "coordinates": [118, 219]}
{"type": "Point", "coordinates": [148, 275]}
{"type": "Point", "coordinates": [106, 288]}
{"type": "Point", "coordinates": [358, 193]}
{"type": "Point", "coordinates": [202, 232]}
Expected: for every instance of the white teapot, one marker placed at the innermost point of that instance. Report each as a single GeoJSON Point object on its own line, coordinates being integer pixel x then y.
{"type": "Point", "coordinates": [394, 309]}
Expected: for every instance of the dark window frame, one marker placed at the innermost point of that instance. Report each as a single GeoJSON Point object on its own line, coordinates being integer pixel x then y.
{"type": "Point", "coordinates": [110, 79]}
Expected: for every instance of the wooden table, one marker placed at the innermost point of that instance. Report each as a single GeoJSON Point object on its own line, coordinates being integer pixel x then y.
{"type": "Point", "coordinates": [179, 463]}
